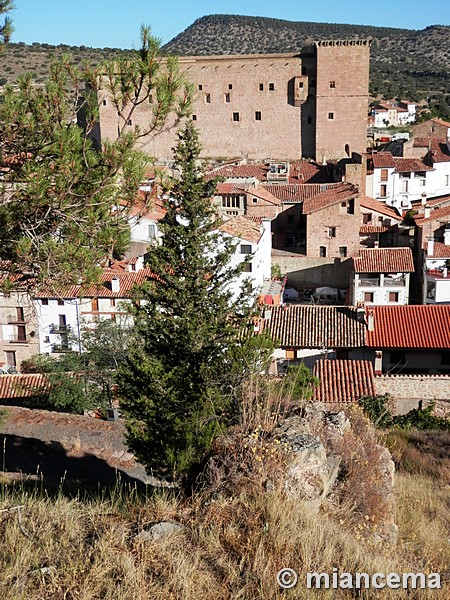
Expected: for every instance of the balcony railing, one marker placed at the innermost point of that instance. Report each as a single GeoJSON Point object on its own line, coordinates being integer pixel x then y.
{"type": "Point", "coordinates": [395, 281]}
{"type": "Point", "coordinates": [369, 282]}
{"type": "Point", "coordinates": [61, 348]}
{"type": "Point", "coordinates": [55, 328]}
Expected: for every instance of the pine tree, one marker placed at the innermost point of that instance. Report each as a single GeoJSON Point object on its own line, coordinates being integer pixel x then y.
{"type": "Point", "coordinates": [190, 353]}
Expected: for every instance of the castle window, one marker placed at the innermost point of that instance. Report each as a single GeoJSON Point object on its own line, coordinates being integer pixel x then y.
{"type": "Point", "coordinates": [330, 116]}
{"type": "Point", "coordinates": [236, 116]}
{"type": "Point", "coordinates": [261, 87]}
{"type": "Point", "coordinates": [227, 98]}
{"type": "Point", "coordinates": [332, 84]}
{"type": "Point", "coordinates": [258, 115]}
{"type": "Point", "coordinates": [200, 87]}
{"type": "Point", "coordinates": [129, 122]}
{"type": "Point", "coordinates": [194, 117]}
{"type": "Point", "coordinates": [230, 86]}
{"type": "Point", "coordinates": [300, 84]}
{"type": "Point", "coordinates": [322, 251]}
{"type": "Point", "coordinates": [343, 251]}
{"type": "Point", "coordinates": [208, 98]}
{"type": "Point", "coordinates": [255, 200]}
{"type": "Point", "coordinates": [104, 102]}
{"type": "Point", "coordinates": [331, 232]}
{"type": "Point", "coordinates": [271, 87]}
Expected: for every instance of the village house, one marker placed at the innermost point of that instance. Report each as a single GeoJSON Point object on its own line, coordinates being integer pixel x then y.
{"type": "Point", "coordinates": [381, 276]}
{"type": "Point", "coordinates": [343, 382]}
{"type": "Point", "coordinates": [388, 114]}
{"type": "Point", "coordinates": [432, 128]}
{"type": "Point", "coordinates": [379, 224]}
{"type": "Point", "coordinates": [436, 271]}
{"type": "Point", "coordinates": [246, 199]}
{"type": "Point", "coordinates": [304, 333]}
{"type": "Point", "coordinates": [409, 339]}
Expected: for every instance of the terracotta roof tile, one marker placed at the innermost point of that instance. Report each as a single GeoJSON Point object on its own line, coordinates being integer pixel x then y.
{"type": "Point", "coordinates": [243, 228]}
{"type": "Point", "coordinates": [343, 381]}
{"type": "Point", "coordinates": [377, 206]}
{"type": "Point", "coordinates": [383, 160]}
{"type": "Point", "coordinates": [302, 326]}
{"type": "Point", "coordinates": [409, 165]}
{"type": "Point", "coordinates": [232, 188]}
{"type": "Point", "coordinates": [439, 250]}
{"type": "Point", "coordinates": [23, 386]}
{"type": "Point", "coordinates": [373, 229]}
{"type": "Point", "coordinates": [403, 327]}
{"type": "Point", "coordinates": [240, 172]}
{"type": "Point", "coordinates": [436, 214]}
{"type": "Point", "coordinates": [438, 148]}
{"type": "Point", "coordinates": [384, 260]}
{"type": "Point", "coordinates": [297, 192]}
{"type": "Point", "coordinates": [339, 193]}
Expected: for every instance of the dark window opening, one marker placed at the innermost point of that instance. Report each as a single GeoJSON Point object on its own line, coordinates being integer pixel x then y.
{"type": "Point", "coordinates": [322, 251]}
{"type": "Point", "coordinates": [343, 251]}
{"type": "Point", "coordinates": [332, 84]}
{"type": "Point", "coordinates": [230, 86]}
{"type": "Point", "coordinates": [200, 87]}
{"type": "Point", "coordinates": [368, 296]}
{"type": "Point", "coordinates": [208, 98]}
{"type": "Point", "coordinates": [261, 87]}
{"type": "Point", "coordinates": [247, 268]}
{"type": "Point", "coordinates": [227, 98]}
{"type": "Point", "coordinates": [330, 116]}
{"type": "Point", "coordinates": [235, 116]}
{"type": "Point", "coordinates": [331, 232]}
{"type": "Point", "coordinates": [271, 87]}
{"type": "Point", "coordinates": [246, 249]}
{"type": "Point", "coordinates": [258, 115]}
{"type": "Point", "coordinates": [194, 117]}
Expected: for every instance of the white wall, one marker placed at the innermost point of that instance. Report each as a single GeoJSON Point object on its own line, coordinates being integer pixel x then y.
{"type": "Point", "coordinates": [139, 229]}
{"type": "Point", "coordinates": [48, 315]}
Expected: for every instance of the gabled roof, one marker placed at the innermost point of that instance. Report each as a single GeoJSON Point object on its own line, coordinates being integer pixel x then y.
{"type": "Point", "coordinates": [302, 326]}
{"type": "Point", "coordinates": [343, 381]}
{"type": "Point", "coordinates": [438, 148]}
{"type": "Point", "coordinates": [384, 260]}
{"type": "Point", "coordinates": [341, 192]}
{"type": "Point", "coordinates": [436, 215]}
{"type": "Point", "coordinates": [298, 192]}
{"type": "Point", "coordinates": [383, 160]}
{"type": "Point", "coordinates": [242, 228]}
{"type": "Point", "coordinates": [225, 188]}
{"type": "Point", "coordinates": [439, 250]}
{"type": "Point", "coordinates": [410, 165]}
{"type": "Point", "coordinates": [265, 194]}
{"type": "Point", "coordinates": [380, 207]}
{"type": "Point", "coordinates": [409, 327]}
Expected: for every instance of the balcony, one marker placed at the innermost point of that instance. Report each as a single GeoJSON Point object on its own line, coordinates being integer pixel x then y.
{"type": "Point", "coordinates": [61, 348]}
{"type": "Point", "coordinates": [54, 328]}
{"type": "Point", "coordinates": [18, 339]}
{"type": "Point", "coordinates": [395, 281]}
{"type": "Point", "coordinates": [369, 282]}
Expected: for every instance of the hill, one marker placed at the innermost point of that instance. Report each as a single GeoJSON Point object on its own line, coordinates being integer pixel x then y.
{"type": "Point", "coordinates": [404, 62]}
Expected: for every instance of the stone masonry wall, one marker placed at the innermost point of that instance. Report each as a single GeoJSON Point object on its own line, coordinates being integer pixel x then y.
{"type": "Point", "coordinates": [408, 390]}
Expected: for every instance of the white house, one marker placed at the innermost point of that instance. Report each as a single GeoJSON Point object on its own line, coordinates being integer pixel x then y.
{"type": "Point", "coordinates": [380, 276]}
{"type": "Point", "coordinates": [436, 271]}
{"type": "Point", "coordinates": [252, 238]}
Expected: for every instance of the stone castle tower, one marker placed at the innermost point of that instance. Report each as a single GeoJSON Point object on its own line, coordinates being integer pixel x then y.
{"type": "Point", "coordinates": [271, 106]}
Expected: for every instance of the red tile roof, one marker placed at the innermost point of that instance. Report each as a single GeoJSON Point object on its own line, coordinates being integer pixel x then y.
{"type": "Point", "coordinates": [380, 207]}
{"type": "Point", "coordinates": [383, 160]}
{"type": "Point", "coordinates": [232, 188]}
{"type": "Point", "coordinates": [304, 171]}
{"type": "Point", "coordinates": [298, 192]}
{"type": "Point", "coordinates": [409, 327]}
{"type": "Point", "coordinates": [341, 192]}
{"type": "Point", "coordinates": [435, 215]}
{"type": "Point", "coordinates": [243, 228]}
{"type": "Point", "coordinates": [409, 165]}
{"type": "Point", "coordinates": [23, 386]}
{"type": "Point", "coordinates": [438, 148]}
{"type": "Point", "coordinates": [384, 260]}
{"type": "Point", "coordinates": [264, 193]}
{"type": "Point", "coordinates": [373, 229]}
{"type": "Point", "coordinates": [439, 250]}
{"type": "Point", "coordinates": [240, 172]}
{"type": "Point", "coordinates": [302, 326]}
{"type": "Point", "coordinates": [343, 381]}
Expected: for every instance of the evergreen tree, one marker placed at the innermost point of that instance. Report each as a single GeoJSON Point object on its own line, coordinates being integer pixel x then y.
{"type": "Point", "coordinates": [6, 28]}
{"type": "Point", "coordinates": [190, 353]}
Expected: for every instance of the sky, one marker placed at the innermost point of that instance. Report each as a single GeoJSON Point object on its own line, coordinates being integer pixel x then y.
{"type": "Point", "coordinates": [116, 23]}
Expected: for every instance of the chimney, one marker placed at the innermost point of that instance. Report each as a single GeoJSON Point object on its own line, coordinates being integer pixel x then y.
{"type": "Point", "coordinates": [378, 362]}
{"type": "Point", "coordinates": [370, 320]}
{"type": "Point", "coordinates": [430, 247]}
{"type": "Point", "coordinates": [376, 244]}
{"type": "Point", "coordinates": [427, 211]}
{"type": "Point", "coordinates": [115, 285]}
{"type": "Point", "coordinates": [424, 198]}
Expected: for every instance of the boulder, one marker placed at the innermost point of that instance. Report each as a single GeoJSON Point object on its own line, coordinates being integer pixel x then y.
{"type": "Point", "coordinates": [159, 531]}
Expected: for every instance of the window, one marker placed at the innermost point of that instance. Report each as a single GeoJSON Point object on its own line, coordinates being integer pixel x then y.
{"type": "Point", "coordinates": [152, 231]}
{"type": "Point", "coordinates": [330, 116]}
{"type": "Point", "coordinates": [61, 302]}
{"type": "Point", "coordinates": [208, 98]}
{"type": "Point", "coordinates": [230, 86]}
{"type": "Point", "coordinates": [129, 122]}
{"type": "Point", "coordinates": [62, 321]}
{"type": "Point", "coordinates": [351, 207]}
{"type": "Point", "coordinates": [300, 84]}
{"type": "Point", "coordinates": [255, 200]}
{"type": "Point", "coordinates": [332, 84]}
{"type": "Point", "coordinates": [112, 301]}
{"type": "Point", "coordinates": [235, 116]}
{"type": "Point", "coordinates": [261, 87]}
{"type": "Point", "coordinates": [384, 175]}
{"type": "Point", "coordinates": [271, 87]}
{"type": "Point", "coordinates": [104, 102]}
{"type": "Point", "coordinates": [10, 358]}
{"type": "Point", "coordinates": [20, 314]}
{"type": "Point", "coordinates": [422, 182]}
{"type": "Point", "coordinates": [246, 249]}
{"type": "Point", "coordinates": [309, 120]}
{"type": "Point", "coordinates": [343, 251]}
{"type": "Point", "coordinates": [200, 87]}
{"type": "Point", "coordinates": [405, 186]}
{"type": "Point", "coordinates": [383, 191]}
{"type": "Point", "coordinates": [291, 354]}
{"type": "Point", "coordinates": [368, 296]}
{"type": "Point", "coordinates": [322, 251]}
{"type": "Point", "coordinates": [247, 268]}
{"type": "Point", "coordinates": [393, 296]}
{"type": "Point", "coordinates": [94, 304]}
{"type": "Point", "coordinates": [231, 202]}
{"type": "Point", "coordinates": [258, 115]}
{"type": "Point", "coordinates": [194, 117]}
{"type": "Point", "coordinates": [47, 339]}
{"type": "Point", "coordinates": [44, 301]}
{"type": "Point", "coordinates": [227, 98]}
{"type": "Point", "coordinates": [447, 180]}
{"type": "Point", "coordinates": [331, 232]}
{"type": "Point", "coordinates": [367, 218]}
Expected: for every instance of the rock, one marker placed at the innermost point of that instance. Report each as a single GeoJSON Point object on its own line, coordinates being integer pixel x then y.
{"type": "Point", "coordinates": [159, 531]}
{"type": "Point", "coordinates": [338, 421]}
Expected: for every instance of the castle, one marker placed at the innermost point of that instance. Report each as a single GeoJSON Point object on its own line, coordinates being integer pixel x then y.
{"type": "Point", "coordinates": [271, 106]}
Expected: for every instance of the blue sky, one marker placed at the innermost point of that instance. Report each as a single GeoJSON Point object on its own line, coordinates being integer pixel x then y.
{"type": "Point", "coordinates": [116, 23]}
